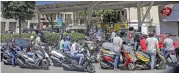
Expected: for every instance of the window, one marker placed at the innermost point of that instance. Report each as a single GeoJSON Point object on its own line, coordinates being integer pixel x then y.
{"type": "Point", "coordinates": [67, 16]}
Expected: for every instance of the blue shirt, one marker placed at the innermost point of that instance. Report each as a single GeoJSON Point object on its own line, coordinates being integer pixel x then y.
{"type": "Point", "coordinates": [67, 46]}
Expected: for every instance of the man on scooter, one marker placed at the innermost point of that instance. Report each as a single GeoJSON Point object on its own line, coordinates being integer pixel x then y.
{"type": "Point", "coordinates": [168, 46]}
{"type": "Point", "coordinates": [152, 48]}
{"type": "Point", "coordinates": [117, 43]}
{"type": "Point", "coordinates": [75, 52]}
{"type": "Point", "coordinates": [67, 45]}
{"type": "Point", "coordinates": [12, 48]}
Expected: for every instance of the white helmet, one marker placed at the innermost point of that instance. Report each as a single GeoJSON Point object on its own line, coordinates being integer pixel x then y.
{"type": "Point", "coordinates": [32, 37]}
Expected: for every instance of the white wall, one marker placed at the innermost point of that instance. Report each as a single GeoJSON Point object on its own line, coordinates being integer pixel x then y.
{"type": "Point", "coordinates": [169, 27]}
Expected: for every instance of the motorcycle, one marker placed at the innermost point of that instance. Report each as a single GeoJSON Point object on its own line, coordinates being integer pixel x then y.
{"type": "Point", "coordinates": [143, 60]}
{"type": "Point", "coordinates": [71, 63]}
{"type": "Point", "coordinates": [127, 60]}
{"type": "Point", "coordinates": [41, 59]}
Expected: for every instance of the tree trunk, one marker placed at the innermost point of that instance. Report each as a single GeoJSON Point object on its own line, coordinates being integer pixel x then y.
{"type": "Point", "coordinates": [20, 27]}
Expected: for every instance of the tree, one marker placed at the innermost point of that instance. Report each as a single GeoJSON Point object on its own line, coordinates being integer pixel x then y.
{"type": "Point", "coordinates": [19, 10]}
{"type": "Point", "coordinates": [50, 17]}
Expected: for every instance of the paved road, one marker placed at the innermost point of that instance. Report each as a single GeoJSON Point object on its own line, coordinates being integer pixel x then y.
{"type": "Point", "coordinates": [10, 69]}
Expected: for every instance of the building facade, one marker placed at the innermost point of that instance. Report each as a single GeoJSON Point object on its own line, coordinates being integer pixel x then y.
{"type": "Point", "coordinates": [12, 24]}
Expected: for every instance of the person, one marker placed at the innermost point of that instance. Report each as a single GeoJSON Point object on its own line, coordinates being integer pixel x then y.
{"type": "Point", "coordinates": [130, 36]}
{"type": "Point", "coordinates": [62, 43]}
{"type": "Point", "coordinates": [38, 39]}
{"type": "Point", "coordinates": [29, 52]}
{"type": "Point", "coordinates": [75, 54]}
{"type": "Point", "coordinates": [67, 45]}
{"type": "Point", "coordinates": [152, 48]}
{"type": "Point", "coordinates": [113, 34]}
{"type": "Point", "coordinates": [168, 46]}
{"type": "Point", "coordinates": [143, 44]}
{"type": "Point", "coordinates": [117, 43]}
{"type": "Point", "coordinates": [12, 48]}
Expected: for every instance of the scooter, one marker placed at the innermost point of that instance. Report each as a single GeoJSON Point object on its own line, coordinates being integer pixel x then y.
{"type": "Point", "coordinates": [171, 59]}
{"type": "Point", "coordinates": [143, 60]}
{"type": "Point", "coordinates": [127, 60]}
{"type": "Point", "coordinates": [57, 57]}
{"type": "Point", "coordinates": [71, 63]}
{"type": "Point", "coordinates": [40, 61]}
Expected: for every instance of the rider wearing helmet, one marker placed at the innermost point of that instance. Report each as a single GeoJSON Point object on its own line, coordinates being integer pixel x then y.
{"type": "Point", "coordinates": [12, 49]}
{"type": "Point", "coordinates": [67, 45]}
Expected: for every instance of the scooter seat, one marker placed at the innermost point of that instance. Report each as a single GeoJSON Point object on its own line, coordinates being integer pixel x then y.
{"type": "Point", "coordinates": [144, 54]}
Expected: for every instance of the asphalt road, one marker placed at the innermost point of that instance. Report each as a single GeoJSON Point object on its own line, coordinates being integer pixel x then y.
{"type": "Point", "coordinates": [53, 69]}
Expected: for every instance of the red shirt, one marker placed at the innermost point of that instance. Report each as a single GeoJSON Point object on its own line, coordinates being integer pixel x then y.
{"type": "Point", "coordinates": [143, 44]}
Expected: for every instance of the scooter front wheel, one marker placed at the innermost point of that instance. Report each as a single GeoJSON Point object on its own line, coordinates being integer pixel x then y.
{"type": "Point", "coordinates": [91, 68]}
{"type": "Point", "coordinates": [45, 64]}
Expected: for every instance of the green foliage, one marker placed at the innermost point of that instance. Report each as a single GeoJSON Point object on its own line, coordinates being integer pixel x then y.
{"type": "Point", "coordinates": [18, 9]}
{"type": "Point", "coordinates": [50, 38]}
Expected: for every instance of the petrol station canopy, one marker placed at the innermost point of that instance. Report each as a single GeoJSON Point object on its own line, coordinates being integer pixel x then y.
{"type": "Point", "coordinates": [95, 5]}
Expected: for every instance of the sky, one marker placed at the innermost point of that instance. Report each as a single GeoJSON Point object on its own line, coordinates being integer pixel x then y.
{"type": "Point", "coordinates": [45, 2]}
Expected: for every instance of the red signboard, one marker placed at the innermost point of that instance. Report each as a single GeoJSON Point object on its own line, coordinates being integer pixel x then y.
{"type": "Point", "coordinates": [166, 11]}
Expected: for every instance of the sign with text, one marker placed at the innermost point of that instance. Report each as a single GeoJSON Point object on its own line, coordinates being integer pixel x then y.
{"type": "Point", "coordinates": [166, 11]}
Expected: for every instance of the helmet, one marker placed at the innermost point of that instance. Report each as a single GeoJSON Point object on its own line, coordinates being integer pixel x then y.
{"type": "Point", "coordinates": [31, 37]}
{"type": "Point", "coordinates": [68, 38]}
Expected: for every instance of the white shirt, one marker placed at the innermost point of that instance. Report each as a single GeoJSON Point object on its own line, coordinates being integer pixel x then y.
{"type": "Point", "coordinates": [151, 43]}
{"type": "Point", "coordinates": [74, 48]}
{"type": "Point", "coordinates": [113, 34]}
{"type": "Point", "coordinates": [37, 40]}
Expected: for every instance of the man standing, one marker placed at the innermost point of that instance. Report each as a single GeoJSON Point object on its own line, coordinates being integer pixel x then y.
{"type": "Point", "coordinates": [117, 43]}
{"type": "Point", "coordinates": [152, 48]}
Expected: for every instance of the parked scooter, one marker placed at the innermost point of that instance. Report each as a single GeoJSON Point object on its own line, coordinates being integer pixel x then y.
{"type": "Point", "coordinates": [127, 60]}
{"type": "Point", "coordinates": [143, 60]}
{"type": "Point", "coordinates": [41, 59]}
{"type": "Point", "coordinates": [70, 63]}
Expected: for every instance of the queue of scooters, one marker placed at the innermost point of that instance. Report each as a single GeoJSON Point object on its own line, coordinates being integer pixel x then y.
{"type": "Point", "coordinates": [43, 58]}
{"type": "Point", "coordinates": [59, 58]}
{"type": "Point", "coordinates": [136, 59]}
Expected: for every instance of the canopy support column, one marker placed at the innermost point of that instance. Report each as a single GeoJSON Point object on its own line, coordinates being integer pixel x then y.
{"type": "Point", "coordinates": [139, 16]}
{"type": "Point", "coordinates": [147, 12]}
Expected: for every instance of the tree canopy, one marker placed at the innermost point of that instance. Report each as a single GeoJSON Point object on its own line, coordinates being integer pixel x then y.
{"type": "Point", "coordinates": [19, 10]}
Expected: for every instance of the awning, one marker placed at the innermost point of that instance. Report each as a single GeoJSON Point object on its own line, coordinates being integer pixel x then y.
{"type": "Point", "coordinates": [84, 5]}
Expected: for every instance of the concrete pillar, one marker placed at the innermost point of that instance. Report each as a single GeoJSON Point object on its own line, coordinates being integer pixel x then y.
{"type": "Point", "coordinates": [7, 26]}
